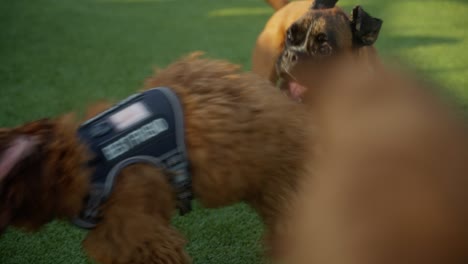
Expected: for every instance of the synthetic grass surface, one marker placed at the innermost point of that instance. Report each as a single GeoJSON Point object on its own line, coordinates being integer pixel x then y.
{"type": "Point", "coordinates": [60, 55]}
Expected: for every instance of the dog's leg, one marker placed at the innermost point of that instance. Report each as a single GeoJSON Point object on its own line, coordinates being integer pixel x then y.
{"type": "Point", "coordinates": [136, 224]}
{"type": "Point", "coordinates": [273, 204]}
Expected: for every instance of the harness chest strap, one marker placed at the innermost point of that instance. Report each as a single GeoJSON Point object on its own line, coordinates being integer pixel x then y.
{"type": "Point", "coordinates": [145, 128]}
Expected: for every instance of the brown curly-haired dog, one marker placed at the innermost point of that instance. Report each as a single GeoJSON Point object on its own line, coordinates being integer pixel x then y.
{"type": "Point", "coordinates": [244, 144]}
{"type": "Point", "coordinates": [387, 183]}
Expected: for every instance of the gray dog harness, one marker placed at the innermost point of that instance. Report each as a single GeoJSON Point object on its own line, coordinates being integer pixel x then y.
{"type": "Point", "coordinates": [144, 128]}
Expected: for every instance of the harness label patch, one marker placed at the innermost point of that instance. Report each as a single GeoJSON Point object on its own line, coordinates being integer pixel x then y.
{"type": "Point", "coordinates": [135, 138]}
{"type": "Point", "coordinates": [129, 116]}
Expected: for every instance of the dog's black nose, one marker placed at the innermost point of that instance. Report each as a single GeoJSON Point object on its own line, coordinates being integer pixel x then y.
{"type": "Point", "coordinates": [290, 56]}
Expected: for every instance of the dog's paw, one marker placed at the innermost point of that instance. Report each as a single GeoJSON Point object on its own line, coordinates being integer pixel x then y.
{"type": "Point", "coordinates": [138, 240]}
{"type": "Point", "coordinates": [153, 252]}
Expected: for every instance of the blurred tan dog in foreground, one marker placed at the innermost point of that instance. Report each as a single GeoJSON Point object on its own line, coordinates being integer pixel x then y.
{"type": "Point", "coordinates": [387, 177]}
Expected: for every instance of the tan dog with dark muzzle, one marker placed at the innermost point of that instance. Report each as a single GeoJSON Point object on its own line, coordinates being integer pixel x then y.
{"type": "Point", "coordinates": [311, 30]}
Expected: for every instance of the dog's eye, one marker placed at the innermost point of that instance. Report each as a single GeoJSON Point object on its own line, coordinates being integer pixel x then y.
{"type": "Point", "coordinates": [294, 35]}
{"type": "Point", "coordinates": [321, 38]}
{"type": "Point", "coordinates": [290, 37]}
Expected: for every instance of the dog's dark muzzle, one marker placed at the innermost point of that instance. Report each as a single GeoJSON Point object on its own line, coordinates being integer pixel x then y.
{"type": "Point", "coordinates": [288, 60]}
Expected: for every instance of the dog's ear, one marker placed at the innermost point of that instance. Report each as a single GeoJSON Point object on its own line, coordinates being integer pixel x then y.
{"type": "Point", "coordinates": [365, 27]}
{"type": "Point", "coordinates": [324, 4]}
{"type": "Point", "coordinates": [14, 152]}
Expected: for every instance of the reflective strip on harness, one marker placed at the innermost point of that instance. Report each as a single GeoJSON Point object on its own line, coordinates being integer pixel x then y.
{"type": "Point", "coordinates": [145, 128]}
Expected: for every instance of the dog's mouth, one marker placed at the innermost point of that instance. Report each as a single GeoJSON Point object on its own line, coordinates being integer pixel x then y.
{"type": "Point", "coordinates": [292, 88]}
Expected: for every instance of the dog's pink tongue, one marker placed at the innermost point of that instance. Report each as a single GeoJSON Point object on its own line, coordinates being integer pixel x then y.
{"type": "Point", "coordinates": [296, 90]}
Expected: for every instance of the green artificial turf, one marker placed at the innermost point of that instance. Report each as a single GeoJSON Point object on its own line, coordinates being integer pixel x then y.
{"type": "Point", "coordinates": [60, 55]}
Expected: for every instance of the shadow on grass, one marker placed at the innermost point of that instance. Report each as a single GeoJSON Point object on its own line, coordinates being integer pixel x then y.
{"type": "Point", "coordinates": [425, 1]}
{"type": "Point", "coordinates": [133, 1]}
{"type": "Point", "coordinates": [240, 11]}
{"type": "Point", "coordinates": [402, 42]}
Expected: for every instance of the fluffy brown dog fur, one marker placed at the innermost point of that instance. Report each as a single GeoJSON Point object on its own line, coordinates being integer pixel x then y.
{"type": "Point", "coordinates": [244, 144]}
{"type": "Point", "coordinates": [386, 176]}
